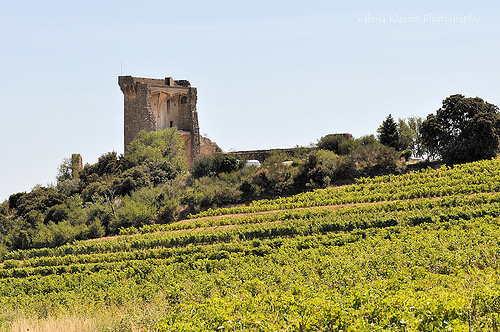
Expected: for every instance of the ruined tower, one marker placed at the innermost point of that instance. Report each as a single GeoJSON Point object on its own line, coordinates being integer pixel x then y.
{"type": "Point", "coordinates": [156, 104]}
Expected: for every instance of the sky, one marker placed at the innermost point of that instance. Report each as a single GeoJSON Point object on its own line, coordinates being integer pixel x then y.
{"type": "Point", "coordinates": [269, 74]}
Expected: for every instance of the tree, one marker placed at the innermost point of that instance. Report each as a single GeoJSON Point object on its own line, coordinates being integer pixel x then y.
{"type": "Point", "coordinates": [210, 165]}
{"type": "Point", "coordinates": [164, 144]}
{"type": "Point", "coordinates": [409, 135]}
{"type": "Point", "coordinates": [367, 140]}
{"type": "Point", "coordinates": [415, 124]}
{"type": "Point", "coordinates": [377, 159]}
{"type": "Point", "coordinates": [388, 133]}
{"type": "Point", "coordinates": [431, 132]}
{"type": "Point", "coordinates": [405, 135]}
{"type": "Point", "coordinates": [341, 144]}
{"type": "Point", "coordinates": [463, 130]}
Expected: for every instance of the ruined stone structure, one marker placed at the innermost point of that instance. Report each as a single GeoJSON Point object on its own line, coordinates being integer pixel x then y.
{"type": "Point", "coordinates": [155, 104]}
{"type": "Point", "coordinates": [262, 155]}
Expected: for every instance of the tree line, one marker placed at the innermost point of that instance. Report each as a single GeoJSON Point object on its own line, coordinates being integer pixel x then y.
{"type": "Point", "coordinates": [462, 130]}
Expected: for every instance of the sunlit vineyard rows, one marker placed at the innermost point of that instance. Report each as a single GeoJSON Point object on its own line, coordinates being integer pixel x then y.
{"type": "Point", "coordinates": [417, 252]}
{"type": "Point", "coordinates": [462, 179]}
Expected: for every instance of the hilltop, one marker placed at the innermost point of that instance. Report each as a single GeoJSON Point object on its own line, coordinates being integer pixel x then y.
{"type": "Point", "coordinates": [339, 236]}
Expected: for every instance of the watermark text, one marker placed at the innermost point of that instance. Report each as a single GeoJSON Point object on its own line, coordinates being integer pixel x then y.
{"type": "Point", "coordinates": [418, 19]}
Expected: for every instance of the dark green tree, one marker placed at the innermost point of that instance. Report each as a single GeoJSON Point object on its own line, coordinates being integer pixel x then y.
{"type": "Point", "coordinates": [388, 133]}
{"type": "Point", "coordinates": [463, 130]}
{"type": "Point", "coordinates": [211, 165]}
{"type": "Point", "coordinates": [341, 144]}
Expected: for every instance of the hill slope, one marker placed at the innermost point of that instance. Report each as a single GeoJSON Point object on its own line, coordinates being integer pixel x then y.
{"type": "Point", "coordinates": [413, 252]}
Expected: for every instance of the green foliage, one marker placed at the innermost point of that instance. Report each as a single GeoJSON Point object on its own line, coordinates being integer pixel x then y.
{"type": "Point", "coordinates": [324, 167]}
{"type": "Point", "coordinates": [160, 171]}
{"type": "Point", "coordinates": [277, 180]}
{"type": "Point", "coordinates": [103, 198]}
{"type": "Point", "coordinates": [101, 213]}
{"type": "Point", "coordinates": [463, 129]}
{"type": "Point", "coordinates": [410, 136]}
{"type": "Point", "coordinates": [68, 187]}
{"type": "Point", "coordinates": [133, 213]}
{"type": "Point", "coordinates": [70, 168]}
{"type": "Point", "coordinates": [57, 213]}
{"type": "Point", "coordinates": [372, 160]}
{"type": "Point", "coordinates": [142, 207]}
{"type": "Point", "coordinates": [101, 188]}
{"type": "Point", "coordinates": [39, 199]}
{"type": "Point", "coordinates": [385, 277]}
{"type": "Point", "coordinates": [210, 192]}
{"type": "Point", "coordinates": [210, 165]}
{"type": "Point", "coordinates": [139, 208]}
{"type": "Point", "coordinates": [388, 133]}
{"type": "Point", "coordinates": [168, 211]}
{"type": "Point", "coordinates": [14, 198]}
{"type": "Point", "coordinates": [165, 145]}
{"type": "Point", "coordinates": [108, 164]}
{"type": "Point", "coordinates": [338, 143]}
{"type": "Point", "coordinates": [202, 166]}
{"type": "Point", "coordinates": [415, 252]}
{"type": "Point", "coordinates": [133, 179]}
{"type": "Point", "coordinates": [368, 140]}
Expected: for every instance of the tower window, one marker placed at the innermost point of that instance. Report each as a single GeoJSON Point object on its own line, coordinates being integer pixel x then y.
{"type": "Point", "coordinates": [184, 100]}
{"type": "Point", "coordinates": [171, 124]}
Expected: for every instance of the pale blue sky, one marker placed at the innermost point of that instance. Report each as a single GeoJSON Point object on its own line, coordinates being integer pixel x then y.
{"type": "Point", "coordinates": [269, 74]}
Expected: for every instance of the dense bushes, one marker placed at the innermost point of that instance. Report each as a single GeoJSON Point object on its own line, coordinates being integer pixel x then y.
{"type": "Point", "coordinates": [99, 199]}
{"type": "Point", "coordinates": [149, 185]}
{"type": "Point", "coordinates": [210, 165]}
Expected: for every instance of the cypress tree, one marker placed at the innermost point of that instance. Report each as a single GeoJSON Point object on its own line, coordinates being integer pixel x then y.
{"type": "Point", "coordinates": [388, 133]}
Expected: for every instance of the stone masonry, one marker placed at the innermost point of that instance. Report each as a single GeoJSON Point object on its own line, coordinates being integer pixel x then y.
{"type": "Point", "coordinates": [156, 104]}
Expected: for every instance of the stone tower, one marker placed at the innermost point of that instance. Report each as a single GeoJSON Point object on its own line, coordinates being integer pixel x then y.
{"type": "Point", "coordinates": [156, 104]}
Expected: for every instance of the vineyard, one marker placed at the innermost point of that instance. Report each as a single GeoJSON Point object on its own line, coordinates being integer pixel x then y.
{"type": "Point", "coordinates": [415, 252]}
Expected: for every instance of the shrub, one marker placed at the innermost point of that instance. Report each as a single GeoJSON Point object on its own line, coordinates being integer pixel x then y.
{"type": "Point", "coordinates": [338, 143]}
{"type": "Point", "coordinates": [324, 167]}
{"type": "Point", "coordinates": [374, 160]}
{"type": "Point", "coordinates": [132, 179]}
{"type": "Point", "coordinates": [211, 165]}
{"type": "Point", "coordinates": [164, 144]}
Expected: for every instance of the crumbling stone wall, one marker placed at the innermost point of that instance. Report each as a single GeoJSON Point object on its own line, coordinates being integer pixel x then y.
{"type": "Point", "coordinates": [156, 104]}
{"type": "Point", "coordinates": [262, 155]}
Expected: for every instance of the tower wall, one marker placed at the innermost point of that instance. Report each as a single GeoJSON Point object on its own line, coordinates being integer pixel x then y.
{"type": "Point", "coordinates": [156, 104]}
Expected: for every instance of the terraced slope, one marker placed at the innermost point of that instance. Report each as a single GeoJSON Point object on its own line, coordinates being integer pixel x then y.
{"type": "Point", "coordinates": [403, 253]}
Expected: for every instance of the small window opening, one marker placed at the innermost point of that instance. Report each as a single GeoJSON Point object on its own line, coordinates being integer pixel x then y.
{"type": "Point", "coordinates": [184, 100]}
{"type": "Point", "coordinates": [171, 124]}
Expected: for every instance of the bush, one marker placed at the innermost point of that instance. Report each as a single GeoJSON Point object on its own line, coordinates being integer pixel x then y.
{"type": "Point", "coordinates": [57, 213]}
{"type": "Point", "coordinates": [324, 167]}
{"type": "Point", "coordinates": [107, 164]}
{"type": "Point", "coordinates": [133, 213]}
{"type": "Point", "coordinates": [39, 199]}
{"type": "Point", "coordinates": [274, 180]}
{"type": "Point", "coordinates": [143, 207]}
{"type": "Point", "coordinates": [165, 145]}
{"type": "Point", "coordinates": [211, 192]}
{"type": "Point", "coordinates": [160, 171]}
{"type": "Point", "coordinates": [132, 179]}
{"type": "Point", "coordinates": [340, 144]}
{"type": "Point", "coordinates": [211, 165]}
{"type": "Point", "coordinates": [375, 160]}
